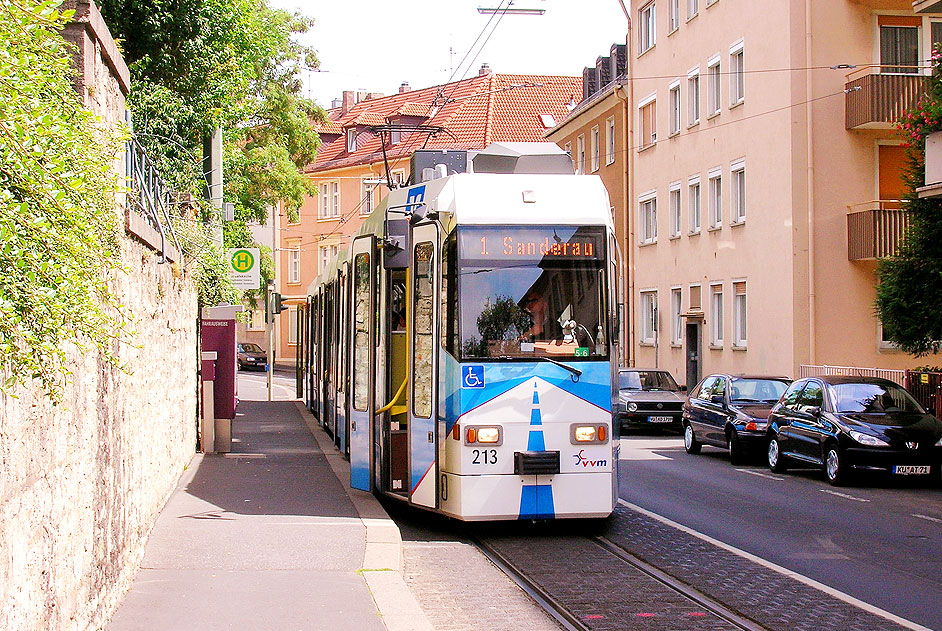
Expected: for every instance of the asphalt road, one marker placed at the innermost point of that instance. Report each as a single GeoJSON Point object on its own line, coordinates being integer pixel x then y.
{"type": "Point", "coordinates": [879, 540]}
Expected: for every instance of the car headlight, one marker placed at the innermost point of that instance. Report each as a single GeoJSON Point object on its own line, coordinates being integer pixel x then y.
{"type": "Point", "coordinates": [867, 439]}
{"type": "Point", "coordinates": [631, 406]}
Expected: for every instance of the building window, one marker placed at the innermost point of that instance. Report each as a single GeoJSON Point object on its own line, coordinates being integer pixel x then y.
{"type": "Point", "coordinates": [324, 209]}
{"type": "Point", "coordinates": [737, 75]}
{"type": "Point", "coordinates": [738, 195]}
{"type": "Point", "coordinates": [366, 206]}
{"type": "Point", "coordinates": [568, 149]}
{"type": "Point", "coordinates": [693, 98]}
{"type": "Point", "coordinates": [739, 314]}
{"type": "Point", "coordinates": [294, 263]}
{"type": "Point", "coordinates": [899, 47]}
{"type": "Point", "coordinates": [716, 199]}
{"type": "Point", "coordinates": [398, 178]}
{"type": "Point", "coordinates": [716, 315]}
{"type": "Point", "coordinates": [693, 203]}
{"type": "Point", "coordinates": [674, 203]}
{"type": "Point", "coordinates": [648, 317]}
{"type": "Point", "coordinates": [610, 140]}
{"type": "Point", "coordinates": [594, 144]}
{"type": "Point", "coordinates": [647, 117]}
{"type": "Point", "coordinates": [352, 140]}
{"type": "Point", "coordinates": [673, 15]}
{"type": "Point", "coordinates": [395, 136]}
{"type": "Point", "coordinates": [335, 199]}
{"type": "Point", "coordinates": [674, 109]}
{"type": "Point", "coordinates": [256, 320]}
{"type": "Point", "coordinates": [648, 208]}
{"type": "Point", "coordinates": [648, 28]}
{"type": "Point", "coordinates": [713, 85]}
{"type": "Point", "coordinates": [677, 322]}
{"type": "Point", "coordinates": [693, 7]}
{"type": "Point", "coordinates": [325, 258]}
{"type": "Point", "coordinates": [580, 155]}
{"type": "Point", "coordinates": [293, 325]}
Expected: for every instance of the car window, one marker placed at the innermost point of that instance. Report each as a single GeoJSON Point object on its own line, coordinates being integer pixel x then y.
{"type": "Point", "coordinates": [629, 380]}
{"type": "Point", "coordinates": [790, 400]}
{"type": "Point", "coordinates": [811, 397]}
{"type": "Point", "coordinates": [719, 387]}
{"type": "Point", "coordinates": [705, 386]}
{"type": "Point", "coordinates": [873, 398]}
{"type": "Point", "coordinates": [756, 390]}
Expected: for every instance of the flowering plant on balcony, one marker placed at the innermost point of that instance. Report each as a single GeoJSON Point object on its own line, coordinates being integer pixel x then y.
{"type": "Point", "coordinates": [926, 116]}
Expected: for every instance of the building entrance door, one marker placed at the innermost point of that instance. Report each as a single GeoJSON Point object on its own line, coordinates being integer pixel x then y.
{"type": "Point", "coordinates": [693, 353]}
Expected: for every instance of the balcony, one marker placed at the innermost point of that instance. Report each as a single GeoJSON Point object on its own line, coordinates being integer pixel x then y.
{"type": "Point", "coordinates": [875, 229]}
{"type": "Point", "coordinates": [876, 100]}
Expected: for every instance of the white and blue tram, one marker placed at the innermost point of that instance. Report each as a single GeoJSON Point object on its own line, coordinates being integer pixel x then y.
{"type": "Point", "coordinates": [462, 350]}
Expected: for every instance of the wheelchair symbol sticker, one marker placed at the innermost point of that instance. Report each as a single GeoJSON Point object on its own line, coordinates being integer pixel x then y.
{"type": "Point", "coordinates": [472, 376]}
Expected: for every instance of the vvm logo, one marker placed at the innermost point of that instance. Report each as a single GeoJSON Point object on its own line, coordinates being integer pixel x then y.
{"type": "Point", "coordinates": [242, 261]}
{"type": "Point", "coordinates": [585, 462]}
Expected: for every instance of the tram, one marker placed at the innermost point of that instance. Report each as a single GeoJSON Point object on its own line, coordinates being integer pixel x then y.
{"type": "Point", "coordinates": [462, 350]}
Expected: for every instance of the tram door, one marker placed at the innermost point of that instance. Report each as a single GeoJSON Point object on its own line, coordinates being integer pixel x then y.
{"type": "Point", "coordinates": [425, 284]}
{"type": "Point", "coordinates": [395, 422]}
{"type": "Point", "coordinates": [362, 362]}
{"type": "Point", "coordinates": [342, 308]}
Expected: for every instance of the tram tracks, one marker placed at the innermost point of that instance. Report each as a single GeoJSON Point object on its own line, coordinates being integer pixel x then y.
{"type": "Point", "coordinates": [619, 592]}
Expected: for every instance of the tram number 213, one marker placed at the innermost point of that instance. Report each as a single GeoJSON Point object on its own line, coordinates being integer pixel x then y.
{"type": "Point", "coordinates": [484, 456]}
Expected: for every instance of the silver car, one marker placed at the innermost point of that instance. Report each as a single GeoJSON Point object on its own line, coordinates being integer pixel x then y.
{"type": "Point", "coordinates": [648, 398]}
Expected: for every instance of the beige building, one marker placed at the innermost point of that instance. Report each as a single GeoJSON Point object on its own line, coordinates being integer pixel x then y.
{"type": "Point", "coordinates": [764, 177]}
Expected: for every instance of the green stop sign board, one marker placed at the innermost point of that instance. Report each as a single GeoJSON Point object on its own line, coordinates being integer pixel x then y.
{"type": "Point", "coordinates": [244, 267]}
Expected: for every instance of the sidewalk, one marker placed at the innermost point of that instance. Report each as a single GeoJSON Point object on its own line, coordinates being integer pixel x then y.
{"type": "Point", "coordinates": [271, 536]}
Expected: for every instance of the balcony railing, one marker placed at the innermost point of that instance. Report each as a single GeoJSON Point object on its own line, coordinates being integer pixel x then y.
{"type": "Point", "coordinates": [150, 201]}
{"type": "Point", "coordinates": [877, 100]}
{"type": "Point", "coordinates": [875, 229]}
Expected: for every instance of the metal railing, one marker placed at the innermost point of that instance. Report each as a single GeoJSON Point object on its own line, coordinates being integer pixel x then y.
{"type": "Point", "coordinates": [926, 387]}
{"type": "Point", "coordinates": [818, 370]}
{"type": "Point", "coordinates": [875, 229]}
{"type": "Point", "coordinates": [147, 195]}
{"type": "Point", "coordinates": [877, 97]}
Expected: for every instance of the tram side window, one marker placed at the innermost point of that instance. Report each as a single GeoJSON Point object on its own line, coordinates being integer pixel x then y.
{"type": "Point", "coordinates": [423, 311]}
{"type": "Point", "coordinates": [449, 296]}
{"type": "Point", "coordinates": [361, 331]}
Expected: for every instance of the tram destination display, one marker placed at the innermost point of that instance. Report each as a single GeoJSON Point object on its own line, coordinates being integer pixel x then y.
{"type": "Point", "coordinates": [510, 243]}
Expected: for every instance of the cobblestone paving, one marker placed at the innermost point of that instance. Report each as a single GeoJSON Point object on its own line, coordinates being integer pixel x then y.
{"type": "Point", "coordinates": [602, 591]}
{"type": "Point", "coordinates": [774, 600]}
{"type": "Point", "coordinates": [461, 590]}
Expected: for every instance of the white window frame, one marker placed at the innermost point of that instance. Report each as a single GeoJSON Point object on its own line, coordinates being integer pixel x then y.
{"type": "Point", "coordinates": [594, 143]}
{"type": "Point", "coordinates": [647, 33]}
{"type": "Point", "coordinates": [677, 321]}
{"type": "Point", "coordinates": [580, 155]}
{"type": "Point", "coordinates": [673, 108]}
{"type": "Point", "coordinates": [714, 86]}
{"type": "Point", "coordinates": [693, 9]}
{"type": "Point", "coordinates": [351, 140]}
{"type": "Point", "coordinates": [292, 325]}
{"type": "Point", "coordinates": [334, 200]}
{"type": "Point", "coordinates": [694, 204]}
{"type": "Point", "coordinates": [737, 192]}
{"type": "Point", "coordinates": [673, 16]}
{"type": "Point", "coordinates": [673, 204]}
{"type": "Point", "coordinates": [324, 258]}
{"type": "Point", "coordinates": [710, 3]}
{"type": "Point", "coordinates": [740, 315]}
{"type": "Point", "coordinates": [366, 202]}
{"type": "Point", "coordinates": [610, 140]}
{"type": "Point", "coordinates": [294, 262]}
{"type": "Point", "coordinates": [648, 136]}
{"type": "Point", "coordinates": [737, 74]}
{"type": "Point", "coordinates": [716, 315]}
{"type": "Point", "coordinates": [693, 97]}
{"type": "Point", "coordinates": [399, 177]}
{"type": "Point", "coordinates": [715, 192]}
{"type": "Point", "coordinates": [648, 317]}
{"type": "Point", "coordinates": [323, 211]}
{"type": "Point", "coordinates": [647, 217]}
{"type": "Point", "coordinates": [256, 320]}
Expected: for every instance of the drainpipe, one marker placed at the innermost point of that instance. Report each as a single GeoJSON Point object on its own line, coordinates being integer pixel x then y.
{"type": "Point", "coordinates": [809, 94]}
{"type": "Point", "coordinates": [628, 227]}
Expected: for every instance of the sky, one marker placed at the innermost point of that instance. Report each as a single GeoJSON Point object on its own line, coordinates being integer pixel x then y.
{"type": "Point", "coordinates": [375, 45]}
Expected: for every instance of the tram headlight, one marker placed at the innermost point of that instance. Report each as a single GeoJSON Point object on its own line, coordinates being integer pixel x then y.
{"type": "Point", "coordinates": [584, 433]}
{"type": "Point", "coordinates": [580, 433]}
{"type": "Point", "coordinates": [483, 434]}
{"type": "Point", "coordinates": [488, 434]}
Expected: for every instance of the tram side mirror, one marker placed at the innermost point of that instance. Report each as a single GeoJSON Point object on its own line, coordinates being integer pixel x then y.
{"type": "Point", "coordinates": [396, 245]}
{"type": "Point", "coordinates": [417, 215]}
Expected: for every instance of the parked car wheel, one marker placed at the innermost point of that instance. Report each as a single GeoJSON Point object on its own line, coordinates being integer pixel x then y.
{"type": "Point", "coordinates": [834, 466]}
{"type": "Point", "coordinates": [776, 461]}
{"type": "Point", "coordinates": [691, 444]}
{"type": "Point", "coordinates": [737, 454]}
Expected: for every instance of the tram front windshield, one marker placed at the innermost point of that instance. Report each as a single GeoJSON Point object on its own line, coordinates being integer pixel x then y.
{"type": "Point", "coordinates": [530, 291]}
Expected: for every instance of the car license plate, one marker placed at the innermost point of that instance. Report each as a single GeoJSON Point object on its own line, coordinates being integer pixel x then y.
{"type": "Point", "coordinates": [911, 470]}
{"type": "Point", "coordinates": [660, 419]}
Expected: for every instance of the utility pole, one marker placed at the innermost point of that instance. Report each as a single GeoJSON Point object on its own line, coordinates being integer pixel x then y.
{"type": "Point", "coordinates": [212, 171]}
{"type": "Point", "coordinates": [269, 330]}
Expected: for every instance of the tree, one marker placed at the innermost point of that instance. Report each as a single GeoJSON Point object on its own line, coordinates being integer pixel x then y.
{"type": "Point", "coordinates": [59, 237]}
{"type": "Point", "coordinates": [200, 64]}
{"type": "Point", "coordinates": [909, 285]}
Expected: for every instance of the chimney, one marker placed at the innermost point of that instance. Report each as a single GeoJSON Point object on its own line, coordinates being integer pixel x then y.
{"type": "Point", "coordinates": [334, 104]}
{"type": "Point", "coordinates": [361, 95]}
{"type": "Point", "coordinates": [485, 70]}
{"type": "Point", "coordinates": [374, 95]}
{"type": "Point", "coordinates": [404, 87]}
{"type": "Point", "coordinates": [349, 100]}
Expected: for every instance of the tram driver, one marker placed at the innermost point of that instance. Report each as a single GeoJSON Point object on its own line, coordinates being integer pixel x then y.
{"type": "Point", "coordinates": [535, 307]}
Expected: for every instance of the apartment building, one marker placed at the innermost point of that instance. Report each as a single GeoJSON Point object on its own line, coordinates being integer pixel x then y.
{"type": "Point", "coordinates": [765, 179]}
{"type": "Point", "coordinates": [350, 172]}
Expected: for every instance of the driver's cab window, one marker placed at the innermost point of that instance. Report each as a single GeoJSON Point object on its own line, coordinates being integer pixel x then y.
{"type": "Point", "coordinates": [811, 397]}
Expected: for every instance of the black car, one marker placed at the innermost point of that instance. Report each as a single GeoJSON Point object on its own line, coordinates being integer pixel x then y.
{"type": "Point", "coordinates": [846, 424]}
{"type": "Point", "coordinates": [252, 356]}
{"type": "Point", "coordinates": [648, 398]}
{"type": "Point", "coordinates": [730, 411]}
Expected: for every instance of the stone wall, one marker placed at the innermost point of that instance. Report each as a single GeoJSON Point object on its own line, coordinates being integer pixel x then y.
{"type": "Point", "coordinates": [82, 483]}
